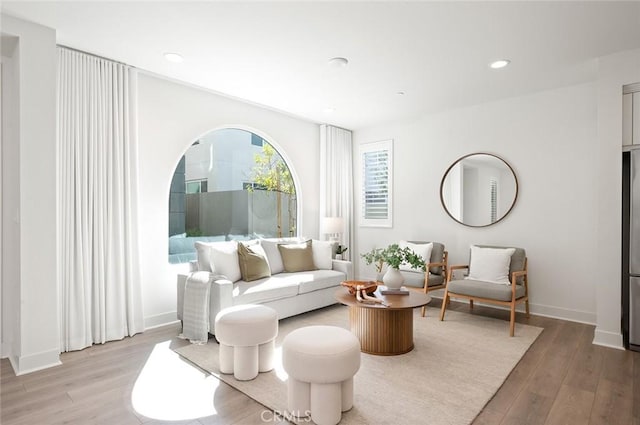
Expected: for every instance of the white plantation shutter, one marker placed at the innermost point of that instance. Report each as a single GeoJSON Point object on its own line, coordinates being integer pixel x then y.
{"type": "Point", "coordinates": [376, 168]}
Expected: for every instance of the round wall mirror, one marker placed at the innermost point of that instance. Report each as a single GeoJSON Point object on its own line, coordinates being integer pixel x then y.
{"type": "Point", "coordinates": [479, 189]}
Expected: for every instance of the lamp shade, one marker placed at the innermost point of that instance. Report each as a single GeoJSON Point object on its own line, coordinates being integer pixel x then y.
{"type": "Point", "coordinates": [332, 225]}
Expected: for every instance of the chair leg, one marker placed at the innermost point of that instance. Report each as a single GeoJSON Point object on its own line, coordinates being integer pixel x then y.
{"type": "Point", "coordinates": [424, 309]}
{"type": "Point", "coordinates": [512, 324]}
{"type": "Point", "coordinates": [445, 301]}
{"type": "Point", "coordinates": [526, 306]}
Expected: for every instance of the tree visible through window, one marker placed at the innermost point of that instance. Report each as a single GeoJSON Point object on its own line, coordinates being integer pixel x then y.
{"type": "Point", "coordinates": [230, 185]}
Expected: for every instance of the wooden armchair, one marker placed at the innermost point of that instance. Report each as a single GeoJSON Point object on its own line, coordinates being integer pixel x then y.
{"type": "Point", "coordinates": [513, 286]}
{"type": "Point", "coordinates": [435, 274]}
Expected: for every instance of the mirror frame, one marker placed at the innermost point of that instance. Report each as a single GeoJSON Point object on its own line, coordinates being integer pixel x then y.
{"type": "Point", "coordinates": [446, 173]}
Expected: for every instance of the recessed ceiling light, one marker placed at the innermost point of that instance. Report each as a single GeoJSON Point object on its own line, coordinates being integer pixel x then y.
{"type": "Point", "coordinates": [400, 93]}
{"type": "Point", "coordinates": [338, 62]}
{"type": "Point", "coordinates": [499, 63]}
{"type": "Point", "coordinates": [173, 57]}
{"type": "Point", "coordinates": [329, 110]}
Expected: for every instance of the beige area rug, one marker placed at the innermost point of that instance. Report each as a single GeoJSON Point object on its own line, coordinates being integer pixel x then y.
{"type": "Point", "coordinates": [455, 368]}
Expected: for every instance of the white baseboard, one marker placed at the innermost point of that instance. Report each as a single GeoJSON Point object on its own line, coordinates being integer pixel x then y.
{"type": "Point", "coordinates": [608, 339]}
{"type": "Point", "coordinates": [34, 362]}
{"type": "Point", "coordinates": [539, 310]}
{"type": "Point", "coordinates": [152, 322]}
{"type": "Point", "coordinates": [563, 313]}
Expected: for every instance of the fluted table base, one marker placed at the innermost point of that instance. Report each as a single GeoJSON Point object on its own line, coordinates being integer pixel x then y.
{"type": "Point", "coordinates": [381, 331]}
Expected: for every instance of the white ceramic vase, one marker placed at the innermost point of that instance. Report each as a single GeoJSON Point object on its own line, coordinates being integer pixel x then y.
{"type": "Point", "coordinates": [392, 278]}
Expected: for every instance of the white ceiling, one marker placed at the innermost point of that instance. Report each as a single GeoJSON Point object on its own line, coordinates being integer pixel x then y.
{"type": "Point", "coordinates": [276, 53]}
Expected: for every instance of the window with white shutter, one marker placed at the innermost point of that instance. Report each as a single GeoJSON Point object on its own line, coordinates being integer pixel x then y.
{"type": "Point", "coordinates": [376, 173]}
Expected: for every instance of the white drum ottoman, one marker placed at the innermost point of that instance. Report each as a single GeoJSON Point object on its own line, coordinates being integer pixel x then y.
{"type": "Point", "coordinates": [246, 334]}
{"type": "Point", "coordinates": [321, 362]}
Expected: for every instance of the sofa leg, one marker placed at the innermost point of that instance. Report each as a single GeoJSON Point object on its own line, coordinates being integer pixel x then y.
{"type": "Point", "coordinates": [471, 304]}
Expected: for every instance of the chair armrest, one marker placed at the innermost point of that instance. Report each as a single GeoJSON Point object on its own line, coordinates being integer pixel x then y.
{"type": "Point", "coordinates": [456, 267]}
{"type": "Point", "coordinates": [516, 275]}
{"type": "Point", "coordinates": [429, 265]}
{"type": "Point", "coordinates": [343, 266]}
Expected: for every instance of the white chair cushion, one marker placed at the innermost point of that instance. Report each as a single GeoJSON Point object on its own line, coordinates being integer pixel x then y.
{"type": "Point", "coordinates": [490, 264]}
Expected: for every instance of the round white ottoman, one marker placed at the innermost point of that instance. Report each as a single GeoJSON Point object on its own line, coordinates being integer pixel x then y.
{"type": "Point", "coordinates": [246, 334]}
{"type": "Point", "coordinates": [321, 362]}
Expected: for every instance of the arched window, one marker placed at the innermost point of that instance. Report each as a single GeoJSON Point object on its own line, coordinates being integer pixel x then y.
{"type": "Point", "coordinates": [230, 184]}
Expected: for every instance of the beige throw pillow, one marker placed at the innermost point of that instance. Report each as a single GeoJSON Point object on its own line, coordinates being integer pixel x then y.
{"type": "Point", "coordinates": [253, 262]}
{"type": "Point", "coordinates": [297, 257]}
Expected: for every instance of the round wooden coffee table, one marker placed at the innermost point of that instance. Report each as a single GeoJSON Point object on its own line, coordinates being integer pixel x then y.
{"type": "Point", "coordinates": [384, 331]}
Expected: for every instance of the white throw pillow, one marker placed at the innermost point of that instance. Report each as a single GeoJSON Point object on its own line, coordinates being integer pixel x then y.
{"type": "Point", "coordinates": [421, 249]}
{"type": "Point", "coordinates": [203, 252]}
{"type": "Point", "coordinates": [224, 256]}
{"type": "Point", "coordinates": [322, 253]}
{"type": "Point", "coordinates": [273, 254]}
{"type": "Point", "coordinates": [490, 264]}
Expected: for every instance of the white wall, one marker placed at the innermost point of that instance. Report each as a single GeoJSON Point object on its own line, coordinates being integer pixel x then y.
{"type": "Point", "coordinates": [37, 293]}
{"type": "Point", "coordinates": [614, 72]}
{"type": "Point", "coordinates": [550, 140]}
{"type": "Point", "coordinates": [172, 116]}
{"type": "Point", "coordinates": [10, 198]}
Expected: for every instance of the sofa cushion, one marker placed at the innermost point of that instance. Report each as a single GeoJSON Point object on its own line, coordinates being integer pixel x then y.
{"type": "Point", "coordinates": [253, 262]}
{"type": "Point", "coordinates": [297, 257]}
{"type": "Point", "coordinates": [322, 254]}
{"type": "Point", "coordinates": [271, 288]}
{"type": "Point", "coordinates": [274, 258]}
{"type": "Point", "coordinates": [476, 288]}
{"type": "Point", "coordinates": [421, 249]}
{"type": "Point", "coordinates": [318, 279]}
{"type": "Point", "coordinates": [490, 264]}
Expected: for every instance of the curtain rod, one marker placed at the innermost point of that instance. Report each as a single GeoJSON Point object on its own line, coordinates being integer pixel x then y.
{"type": "Point", "coordinates": [94, 55]}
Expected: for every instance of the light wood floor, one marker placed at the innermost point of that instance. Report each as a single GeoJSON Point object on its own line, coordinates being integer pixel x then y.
{"type": "Point", "coordinates": [562, 379]}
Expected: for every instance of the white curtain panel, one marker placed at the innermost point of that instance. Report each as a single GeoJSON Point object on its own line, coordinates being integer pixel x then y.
{"type": "Point", "coordinates": [97, 159]}
{"type": "Point", "coordinates": [336, 179]}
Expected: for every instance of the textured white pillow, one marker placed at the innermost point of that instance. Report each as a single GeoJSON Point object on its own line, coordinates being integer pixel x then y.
{"type": "Point", "coordinates": [422, 249]}
{"type": "Point", "coordinates": [490, 264]}
{"type": "Point", "coordinates": [322, 253]}
{"type": "Point", "coordinates": [224, 257]}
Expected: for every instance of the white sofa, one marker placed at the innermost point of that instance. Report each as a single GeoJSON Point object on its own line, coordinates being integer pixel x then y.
{"type": "Point", "coordinates": [288, 293]}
